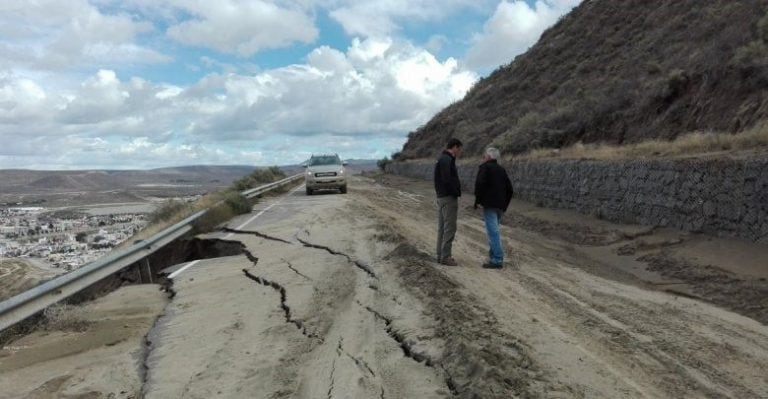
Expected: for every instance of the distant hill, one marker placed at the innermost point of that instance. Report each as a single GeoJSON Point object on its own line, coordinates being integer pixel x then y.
{"type": "Point", "coordinates": [37, 181]}
{"type": "Point", "coordinates": [618, 71]}
{"type": "Point", "coordinates": [353, 165]}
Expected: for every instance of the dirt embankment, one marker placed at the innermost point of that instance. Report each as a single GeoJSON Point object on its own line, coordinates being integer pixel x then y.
{"type": "Point", "coordinates": [17, 275]}
{"type": "Point", "coordinates": [91, 351]}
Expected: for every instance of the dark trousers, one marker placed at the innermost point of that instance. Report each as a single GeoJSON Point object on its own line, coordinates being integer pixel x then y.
{"type": "Point", "coordinates": [447, 212]}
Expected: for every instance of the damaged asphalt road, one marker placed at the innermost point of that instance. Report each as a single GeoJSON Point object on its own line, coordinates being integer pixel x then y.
{"type": "Point", "coordinates": [337, 296]}
{"type": "Point", "coordinates": [293, 313]}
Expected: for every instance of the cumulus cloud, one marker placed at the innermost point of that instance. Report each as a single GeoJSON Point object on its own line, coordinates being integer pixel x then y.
{"type": "Point", "coordinates": [512, 29]}
{"type": "Point", "coordinates": [20, 99]}
{"type": "Point", "coordinates": [242, 26]}
{"type": "Point", "coordinates": [372, 93]}
{"type": "Point", "coordinates": [51, 34]}
{"type": "Point", "coordinates": [376, 86]}
{"type": "Point", "coordinates": [73, 91]}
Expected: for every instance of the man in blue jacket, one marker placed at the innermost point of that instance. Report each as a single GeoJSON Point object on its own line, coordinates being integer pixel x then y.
{"type": "Point", "coordinates": [448, 191]}
{"type": "Point", "coordinates": [493, 191]}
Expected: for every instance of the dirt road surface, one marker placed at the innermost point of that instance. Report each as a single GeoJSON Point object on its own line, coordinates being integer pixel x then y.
{"type": "Point", "coordinates": [338, 296]}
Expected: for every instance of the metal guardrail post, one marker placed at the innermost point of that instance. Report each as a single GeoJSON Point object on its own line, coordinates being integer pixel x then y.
{"type": "Point", "coordinates": [34, 300]}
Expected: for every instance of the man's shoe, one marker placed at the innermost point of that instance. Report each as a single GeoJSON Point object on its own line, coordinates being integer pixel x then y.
{"type": "Point", "coordinates": [489, 265]}
{"type": "Point", "coordinates": [449, 261]}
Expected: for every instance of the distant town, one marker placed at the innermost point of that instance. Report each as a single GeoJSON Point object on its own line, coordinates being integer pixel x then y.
{"type": "Point", "coordinates": [64, 239]}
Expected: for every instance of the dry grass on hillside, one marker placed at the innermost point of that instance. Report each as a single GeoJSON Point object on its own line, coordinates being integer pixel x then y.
{"type": "Point", "coordinates": [697, 143]}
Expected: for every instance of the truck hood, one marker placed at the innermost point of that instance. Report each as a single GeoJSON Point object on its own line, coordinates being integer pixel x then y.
{"type": "Point", "coordinates": [325, 168]}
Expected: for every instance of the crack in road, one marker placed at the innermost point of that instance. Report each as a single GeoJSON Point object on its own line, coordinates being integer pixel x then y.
{"type": "Point", "coordinates": [333, 379]}
{"type": "Point", "coordinates": [146, 352]}
{"type": "Point", "coordinates": [262, 235]}
{"type": "Point", "coordinates": [250, 256]}
{"type": "Point", "coordinates": [290, 266]}
{"type": "Point", "coordinates": [277, 287]}
{"type": "Point", "coordinates": [283, 296]}
{"type": "Point", "coordinates": [407, 347]}
{"type": "Point", "coordinates": [359, 362]}
{"type": "Point", "coordinates": [409, 351]}
{"type": "Point", "coordinates": [367, 269]}
{"type": "Point", "coordinates": [283, 303]}
{"type": "Point", "coordinates": [257, 234]}
{"type": "Point", "coordinates": [167, 286]}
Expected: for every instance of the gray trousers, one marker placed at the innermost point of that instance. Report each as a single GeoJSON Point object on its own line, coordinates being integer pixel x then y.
{"type": "Point", "coordinates": [447, 211]}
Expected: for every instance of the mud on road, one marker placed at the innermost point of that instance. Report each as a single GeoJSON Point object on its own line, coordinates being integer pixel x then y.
{"type": "Point", "coordinates": [338, 296]}
{"type": "Point", "coordinates": [587, 320]}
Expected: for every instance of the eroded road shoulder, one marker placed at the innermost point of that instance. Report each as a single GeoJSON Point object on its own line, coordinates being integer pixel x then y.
{"type": "Point", "coordinates": [95, 350]}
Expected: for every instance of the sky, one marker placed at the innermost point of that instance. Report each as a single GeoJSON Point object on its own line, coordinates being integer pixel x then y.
{"type": "Point", "coordinates": [140, 84]}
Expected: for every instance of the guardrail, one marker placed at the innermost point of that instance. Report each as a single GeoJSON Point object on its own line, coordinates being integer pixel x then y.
{"type": "Point", "coordinates": [34, 300]}
{"type": "Point", "coordinates": [271, 186]}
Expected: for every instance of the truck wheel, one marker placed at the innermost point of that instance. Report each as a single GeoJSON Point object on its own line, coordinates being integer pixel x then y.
{"type": "Point", "coordinates": [343, 189]}
{"type": "Point", "coordinates": [309, 191]}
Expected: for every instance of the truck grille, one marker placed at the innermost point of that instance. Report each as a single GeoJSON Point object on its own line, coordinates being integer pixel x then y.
{"type": "Point", "coordinates": [325, 174]}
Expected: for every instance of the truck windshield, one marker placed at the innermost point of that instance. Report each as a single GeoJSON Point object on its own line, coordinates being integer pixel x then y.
{"type": "Point", "coordinates": [325, 160]}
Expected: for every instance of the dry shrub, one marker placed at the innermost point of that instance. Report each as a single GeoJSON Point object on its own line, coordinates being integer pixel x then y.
{"type": "Point", "coordinates": [215, 216]}
{"type": "Point", "coordinates": [223, 206]}
{"type": "Point", "coordinates": [63, 317]}
{"type": "Point", "coordinates": [167, 211]}
{"type": "Point", "coordinates": [230, 205]}
{"type": "Point", "coordinates": [697, 143]}
{"type": "Point", "coordinates": [382, 163]}
{"type": "Point", "coordinates": [258, 177]}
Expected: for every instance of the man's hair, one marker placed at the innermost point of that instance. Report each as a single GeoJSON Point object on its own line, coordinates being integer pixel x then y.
{"type": "Point", "coordinates": [492, 152]}
{"type": "Point", "coordinates": [453, 143]}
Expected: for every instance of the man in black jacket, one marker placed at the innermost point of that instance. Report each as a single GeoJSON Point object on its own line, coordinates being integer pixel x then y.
{"type": "Point", "coordinates": [493, 191]}
{"type": "Point", "coordinates": [448, 191]}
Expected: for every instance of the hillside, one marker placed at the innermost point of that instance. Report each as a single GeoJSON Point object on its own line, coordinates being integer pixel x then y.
{"type": "Point", "coordinates": [30, 181]}
{"type": "Point", "coordinates": [618, 72]}
{"type": "Point", "coordinates": [76, 187]}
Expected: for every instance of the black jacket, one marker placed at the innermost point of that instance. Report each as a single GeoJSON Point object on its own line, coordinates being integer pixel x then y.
{"type": "Point", "coordinates": [446, 177]}
{"type": "Point", "coordinates": [492, 186]}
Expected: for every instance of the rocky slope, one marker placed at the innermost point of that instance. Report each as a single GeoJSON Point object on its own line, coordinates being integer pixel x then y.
{"type": "Point", "coordinates": [618, 71]}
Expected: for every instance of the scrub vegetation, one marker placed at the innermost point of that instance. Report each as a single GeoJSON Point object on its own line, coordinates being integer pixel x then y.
{"type": "Point", "coordinates": [698, 143]}
{"type": "Point", "coordinates": [222, 205]}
